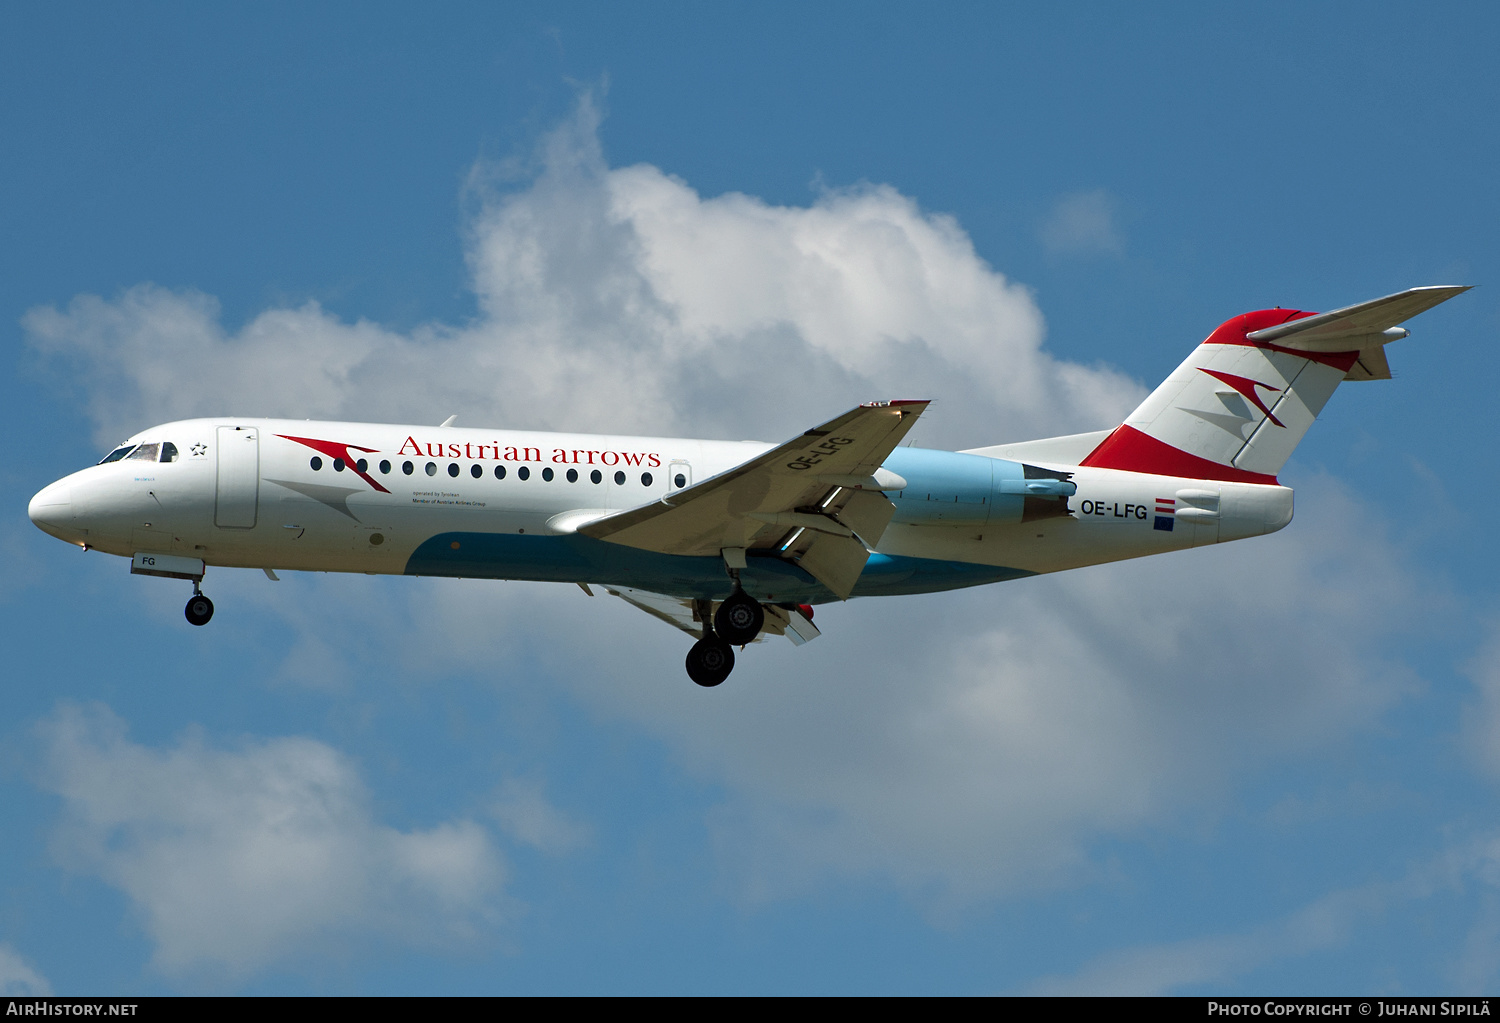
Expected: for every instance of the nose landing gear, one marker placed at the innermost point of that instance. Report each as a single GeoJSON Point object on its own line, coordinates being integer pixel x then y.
{"type": "Point", "coordinates": [199, 608]}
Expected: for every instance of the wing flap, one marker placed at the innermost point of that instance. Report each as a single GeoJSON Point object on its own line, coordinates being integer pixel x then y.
{"type": "Point", "coordinates": [867, 514]}
{"type": "Point", "coordinates": [834, 561]}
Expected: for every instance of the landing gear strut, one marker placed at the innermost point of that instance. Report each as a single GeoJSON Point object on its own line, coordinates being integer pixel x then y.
{"type": "Point", "coordinates": [199, 608]}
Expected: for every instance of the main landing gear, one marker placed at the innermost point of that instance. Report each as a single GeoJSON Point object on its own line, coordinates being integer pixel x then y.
{"type": "Point", "coordinates": [199, 608]}
{"type": "Point", "coordinates": [710, 660]}
{"type": "Point", "coordinates": [738, 621]}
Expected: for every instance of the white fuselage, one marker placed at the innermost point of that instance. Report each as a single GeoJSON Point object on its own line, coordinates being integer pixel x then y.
{"type": "Point", "coordinates": [291, 494]}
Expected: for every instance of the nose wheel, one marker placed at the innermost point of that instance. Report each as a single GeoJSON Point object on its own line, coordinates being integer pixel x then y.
{"type": "Point", "coordinates": [199, 609]}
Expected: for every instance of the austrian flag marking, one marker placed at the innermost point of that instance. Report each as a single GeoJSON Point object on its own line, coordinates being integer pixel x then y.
{"type": "Point", "coordinates": [1166, 513]}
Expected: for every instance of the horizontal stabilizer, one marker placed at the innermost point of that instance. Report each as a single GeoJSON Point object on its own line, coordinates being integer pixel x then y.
{"type": "Point", "coordinates": [1367, 325]}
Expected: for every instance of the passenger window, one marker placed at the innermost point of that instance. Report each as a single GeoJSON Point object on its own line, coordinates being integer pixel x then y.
{"type": "Point", "coordinates": [432, 468]}
{"type": "Point", "coordinates": [117, 454]}
{"type": "Point", "coordinates": [452, 468]}
{"type": "Point", "coordinates": [315, 462]}
{"type": "Point", "coordinates": [523, 473]}
{"type": "Point", "coordinates": [407, 468]}
{"type": "Point", "coordinates": [596, 476]}
{"type": "Point", "coordinates": [168, 452]}
{"type": "Point", "coordinates": [679, 481]}
{"type": "Point", "coordinates": [645, 479]}
{"type": "Point", "coordinates": [547, 474]}
{"type": "Point", "coordinates": [499, 472]}
{"type": "Point", "coordinates": [619, 479]}
{"type": "Point", "coordinates": [338, 465]}
{"type": "Point", "coordinates": [476, 470]}
{"type": "Point", "coordinates": [362, 466]}
{"type": "Point", "coordinates": [146, 453]}
{"type": "Point", "coordinates": [572, 475]}
{"type": "Point", "coordinates": [385, 467]}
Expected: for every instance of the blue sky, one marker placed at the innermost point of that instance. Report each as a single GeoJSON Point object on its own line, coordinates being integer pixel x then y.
{"type": "Point", "coordinates": [1266, 767]}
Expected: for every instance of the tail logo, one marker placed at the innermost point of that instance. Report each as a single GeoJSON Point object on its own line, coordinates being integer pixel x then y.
{"type": "Point", "coordinates": [1247, 387]}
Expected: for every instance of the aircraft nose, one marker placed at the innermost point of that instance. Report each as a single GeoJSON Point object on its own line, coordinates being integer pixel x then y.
{"type": "Point", "coordinates": [51, 510]}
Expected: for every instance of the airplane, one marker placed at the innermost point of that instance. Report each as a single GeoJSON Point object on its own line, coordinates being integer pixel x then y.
{"type": "Point", "coordinates": [734, 542]}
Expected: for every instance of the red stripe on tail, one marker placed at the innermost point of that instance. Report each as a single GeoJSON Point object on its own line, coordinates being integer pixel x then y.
{"type": "Point", "coordinates": [1233, 331]}
{"type": "Point", "coordinates": [1130, 449]}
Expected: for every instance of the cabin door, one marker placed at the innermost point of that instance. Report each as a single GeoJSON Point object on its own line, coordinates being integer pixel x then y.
{"type": "Point", "coordinates": [238, 483]}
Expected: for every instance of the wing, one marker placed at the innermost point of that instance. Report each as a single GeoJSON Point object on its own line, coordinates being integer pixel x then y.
{"type": "Point", "coordinates": [815, 500]}
{"type": "Point", "coordinates": [682, 614]}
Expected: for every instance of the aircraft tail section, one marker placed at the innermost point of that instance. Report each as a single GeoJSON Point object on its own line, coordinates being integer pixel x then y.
{"type": "Point", "coordinates": [1241, 402]}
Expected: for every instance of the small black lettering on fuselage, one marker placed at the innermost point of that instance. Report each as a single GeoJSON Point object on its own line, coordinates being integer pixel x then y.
{"type": "Point", "coordinates": [1113, 509]}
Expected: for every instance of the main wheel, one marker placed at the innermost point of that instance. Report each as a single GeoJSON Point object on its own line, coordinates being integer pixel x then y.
{"type": "Point", "coordinates": [739, 619]}
{"type": "Point", "coordinates": [710, 661]}
{"type": "Point", "coordinates": [199, 609]}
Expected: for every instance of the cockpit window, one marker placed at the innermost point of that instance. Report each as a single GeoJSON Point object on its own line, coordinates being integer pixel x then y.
{"type": "Point", "coordinates": [118, 453]}
{"type": "Point", "coordinates": [168, 451]}
{"type": "Point", "coordinates": [146, 452]}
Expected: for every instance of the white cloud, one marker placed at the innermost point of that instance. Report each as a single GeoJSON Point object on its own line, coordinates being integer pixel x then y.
{"type": "Point", "coordinates": [1217, 960]}
{"type": "Point", "coordinates": [969, 744]}
{"type": "Point", "coordinates": [523, 811]}
{"type": "Point", "coordinates": [1083, 224]}
{"type": "Point", "coordinates": [18, 978]}
{"type": "Point", "coordinates": [962, 745]}
{"type": "Point", "coordinates": [237, 858]}
{"type": "Point", "coordinates": [1467, 868]}
{"type": "Point", "coordinates": [621, 300]}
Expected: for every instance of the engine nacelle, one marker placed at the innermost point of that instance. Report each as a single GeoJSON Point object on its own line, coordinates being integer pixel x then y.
{"type": "Point", "coordinates": [947, 488]}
